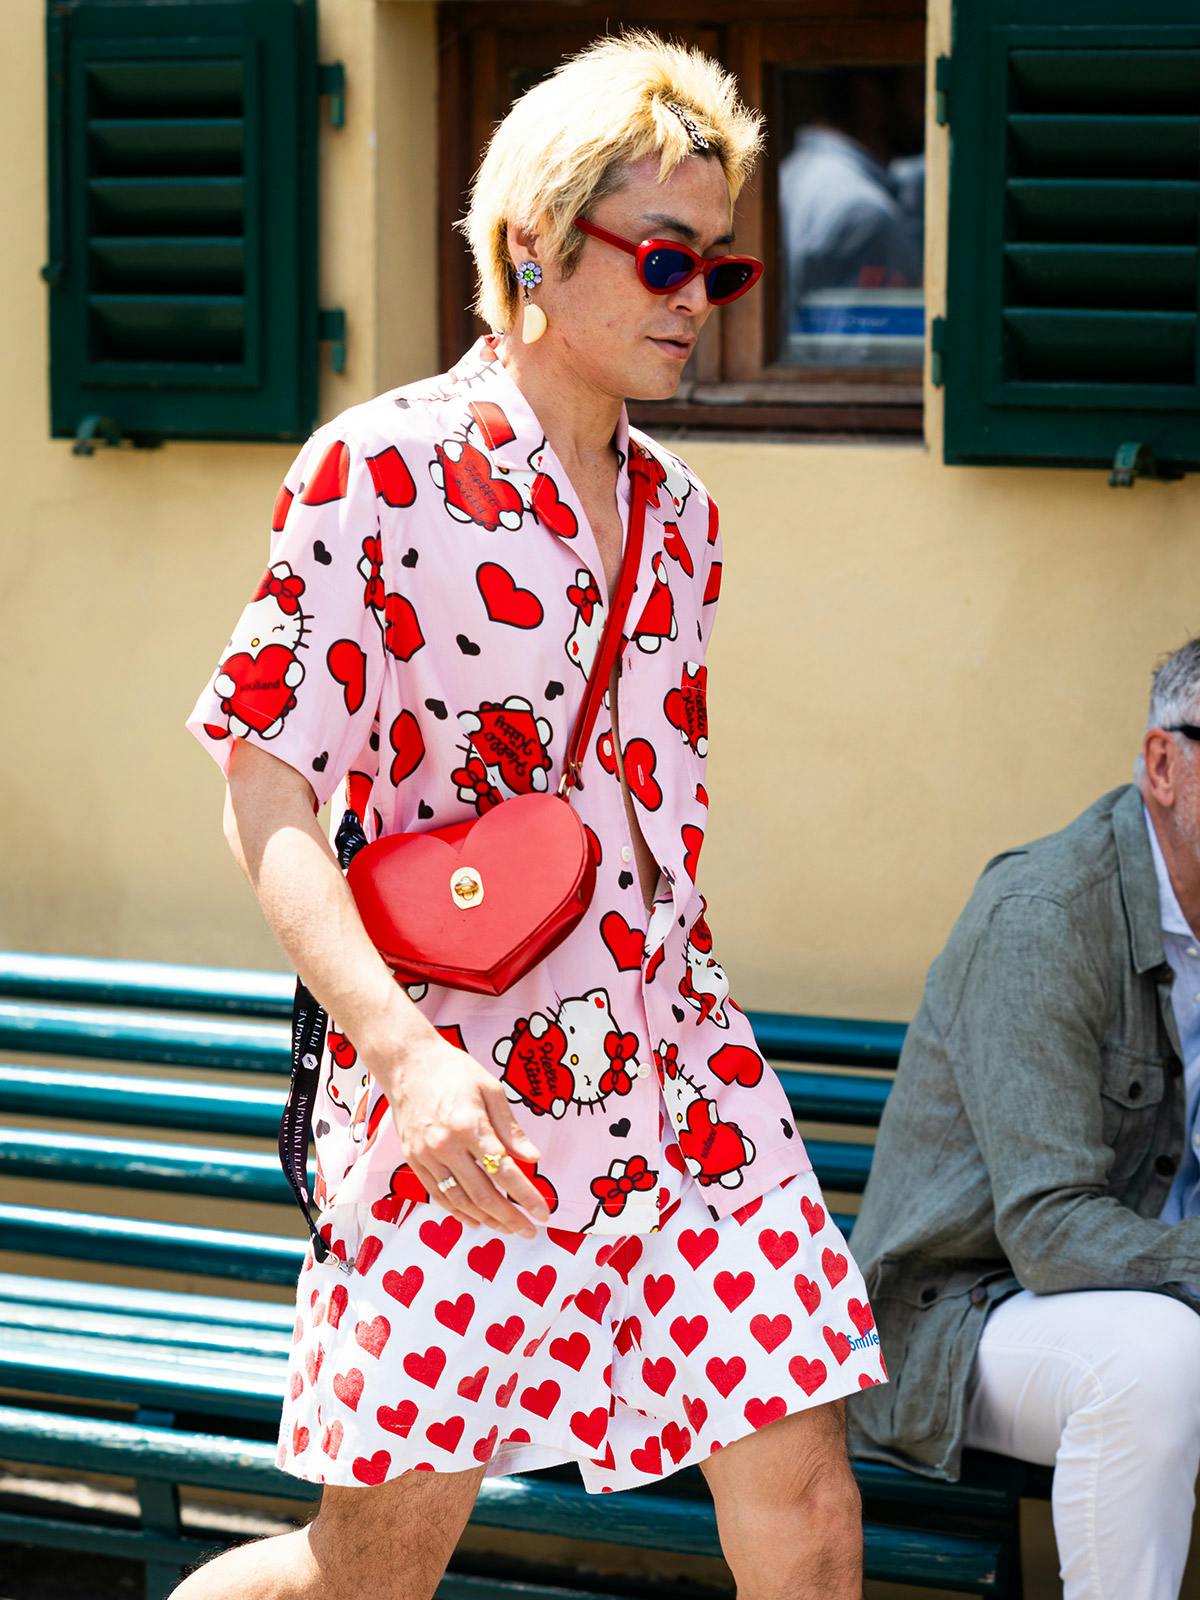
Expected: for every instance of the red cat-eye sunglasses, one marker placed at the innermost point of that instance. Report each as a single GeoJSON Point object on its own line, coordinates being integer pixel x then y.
{"type": "Point", "coordinates": [663, 265]}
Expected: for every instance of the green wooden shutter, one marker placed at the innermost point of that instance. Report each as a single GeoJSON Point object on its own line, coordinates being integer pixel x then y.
{"type": "Point", "coordinates": [183, 217]}
{"type": "Point", "coordinates": [1073, 278]}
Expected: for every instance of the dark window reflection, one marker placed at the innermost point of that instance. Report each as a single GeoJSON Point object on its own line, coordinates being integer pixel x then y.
{"type": "Point", "coordinates": [851, 215]}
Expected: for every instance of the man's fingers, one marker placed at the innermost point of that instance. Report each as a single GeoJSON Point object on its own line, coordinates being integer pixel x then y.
{"type": "Point", "coordinates": [455, 1200]}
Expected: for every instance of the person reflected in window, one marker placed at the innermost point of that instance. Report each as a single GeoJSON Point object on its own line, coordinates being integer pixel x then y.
{"type": "Point", "coordinates": [844, 221]}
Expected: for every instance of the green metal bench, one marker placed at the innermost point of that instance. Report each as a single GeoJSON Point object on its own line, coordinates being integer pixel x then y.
{"type": "Point", "coordinates": [174, 1389]}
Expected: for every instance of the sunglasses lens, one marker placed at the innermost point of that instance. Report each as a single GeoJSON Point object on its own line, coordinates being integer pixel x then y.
{"type": "Point", "coordinates": [726, 281]}
{"type": "Point", "coordinates": [663, 269]}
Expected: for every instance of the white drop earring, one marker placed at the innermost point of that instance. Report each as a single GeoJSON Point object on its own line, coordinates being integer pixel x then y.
{"type": "Point", "coordinates": [533, 321]}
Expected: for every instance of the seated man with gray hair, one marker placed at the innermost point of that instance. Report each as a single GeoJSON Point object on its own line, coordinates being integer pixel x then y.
{"type": "Point", "coordinates": [1030, 1233]}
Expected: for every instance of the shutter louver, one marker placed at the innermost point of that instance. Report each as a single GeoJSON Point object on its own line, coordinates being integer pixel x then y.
{"type": "Point", "coordinates": [166, 202]}
{"type": "Point", "coordinates": [183, 237]}
{"type": "Point", "coordinates": [1073, 295]}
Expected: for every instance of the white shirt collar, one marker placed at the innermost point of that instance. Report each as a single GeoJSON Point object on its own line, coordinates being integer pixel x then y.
{"type": "Point", "coordinates": [1173, 919]}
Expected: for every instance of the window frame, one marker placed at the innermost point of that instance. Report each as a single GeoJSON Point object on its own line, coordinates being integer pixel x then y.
{"type": "Point", "coordinates": [728, 386]}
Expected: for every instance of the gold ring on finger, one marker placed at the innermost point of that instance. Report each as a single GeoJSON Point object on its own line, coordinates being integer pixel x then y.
{"type": "Point", "coordinates": [490, 1162]}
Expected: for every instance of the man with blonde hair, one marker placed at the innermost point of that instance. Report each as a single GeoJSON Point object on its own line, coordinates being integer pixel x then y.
{"type": "Point", "coordinates": [655, 1280]}
{"type": "Point", "coordinates": [1031, 1226]}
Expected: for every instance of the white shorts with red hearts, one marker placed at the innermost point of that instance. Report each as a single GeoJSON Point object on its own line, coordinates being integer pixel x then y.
{"type": "Point", "coordinates": [447, 1347]}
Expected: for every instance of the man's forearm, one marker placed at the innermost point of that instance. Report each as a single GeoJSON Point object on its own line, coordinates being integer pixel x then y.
{"type": "Point", "coordinates": [307, 904]}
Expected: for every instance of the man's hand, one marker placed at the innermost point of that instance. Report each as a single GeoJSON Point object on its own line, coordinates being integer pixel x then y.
{"type": "Point", "coordinates": [448, 1111]}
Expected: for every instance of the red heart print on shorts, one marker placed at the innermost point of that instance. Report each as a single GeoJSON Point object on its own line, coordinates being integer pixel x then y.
{"type": "Point", "coordinates": [834, 1267]}
{"type": "Point", "coordinates": [731, 1290]}
{"type": "Point", "coordinates": [809, 1292]}
{"type": "Point", "coordinates": [838, 1344]}
{"type": "Point", "coordinates": [814, 1215]}
{"type": "Point", "coordinates": [861, 1316]}
{"type": "Point", "coordinates": [401, 1286]}
{"type": "Point", "coordinates": [373, 1335]}
{"type": "Point", "coordinates": [770, 1331]}
{"type": "Point", "coordinates": [810, 1375]}
{"type": "Point", "coordinates": [446, 1434]}
{"type": "Point", "coordinates": [590, 1426]}
{"type": "Point", "coordinates": [759, 1412]}
{"type": "Point", "coordinates": [695, 1248]}
{"type": "Point", "coordinates": [374, 1471]}
{"type": "Point", "coordinates": [485, 1259]}
{"type": "Point", "coordinates": [541, 1399]}
{"type": "Point", "coordinates": [471, 1387]}
{"type": "Point", "coordinates": [441, 1234]}
{"type": "Point", "coordinates": [348, 1386]}
{"type": "Point", "coordinates": [397, 1419]}
{"type": "Point", "coordinates": [426, 1368]}
{"type": "Point", "coordinates": [725, 1375]}
{"type": "Point", "coordinates": [456, 1314]}
{"type": "Point", "coordinates": [779, 1248]}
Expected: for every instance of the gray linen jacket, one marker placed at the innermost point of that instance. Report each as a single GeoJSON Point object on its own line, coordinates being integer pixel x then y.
{"type": "Point", "coordinates": [1034, 1127]}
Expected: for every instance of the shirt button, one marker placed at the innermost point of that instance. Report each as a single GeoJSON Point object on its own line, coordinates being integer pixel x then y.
{"type": "Point", "coordinates": [1193, 951]}
{"type": "Point", "coordinates": [641, 1069]}
{"type": "Point", "coordinates": [1165, 1164]}
{"type": "Point", "coordinates": [626, 853]}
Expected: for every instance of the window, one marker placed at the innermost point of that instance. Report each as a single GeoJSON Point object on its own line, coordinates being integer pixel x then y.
{"type": "Point", "coordinates": [832, 341]}
{"type": "Point", "coordinates": [183, 230]}
{"type": "Point", "coordinates": [1072, 330]}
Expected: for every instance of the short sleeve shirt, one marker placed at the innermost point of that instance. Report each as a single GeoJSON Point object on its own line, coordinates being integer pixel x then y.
{"type": "Point", "coordinates": [417, 648]}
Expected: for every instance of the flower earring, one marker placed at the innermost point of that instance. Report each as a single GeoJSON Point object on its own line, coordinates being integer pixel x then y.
{"type": "Point", "coordinates": [533, 323]}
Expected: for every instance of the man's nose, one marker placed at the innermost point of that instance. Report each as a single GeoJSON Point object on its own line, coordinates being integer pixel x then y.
{"type": "Point", "coordinates": [690, 297]}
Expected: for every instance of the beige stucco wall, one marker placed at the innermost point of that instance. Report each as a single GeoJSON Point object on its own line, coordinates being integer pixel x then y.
{"type": "Point", "coordinates": [913, 664]}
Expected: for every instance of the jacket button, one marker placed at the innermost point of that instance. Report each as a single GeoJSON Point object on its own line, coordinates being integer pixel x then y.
{"type": "Point", "coordinates": [1165, 1165]}
{"type": "Point", "coordinates": [928, 1293]}
{"type": "Point", "coordinates": [1135, 1090]}
{"type": "Point", "coordinates": [978, 1295]}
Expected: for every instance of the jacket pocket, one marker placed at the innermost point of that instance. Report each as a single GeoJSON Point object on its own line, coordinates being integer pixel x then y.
{"type": "Point", "coordinates": [1132, 1085]}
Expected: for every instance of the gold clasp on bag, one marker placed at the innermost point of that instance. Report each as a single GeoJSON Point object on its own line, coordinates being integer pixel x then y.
{"type": "Point", "coordinates": [466, 888]}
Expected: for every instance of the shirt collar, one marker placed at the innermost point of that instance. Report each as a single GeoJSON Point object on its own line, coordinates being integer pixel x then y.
{"type": "Point", "coordinates": [1173, 919]}
{"type": "Point", "coordinates": [523, 444]}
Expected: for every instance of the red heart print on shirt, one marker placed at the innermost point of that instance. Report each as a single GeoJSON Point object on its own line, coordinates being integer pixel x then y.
{"type": "Point", "coordinates": [261, 693]}
{"type": "Point", "coordinates": [624, 944]}
{"type": "Point", "coordinates": [402, 636]}
{"type": "Point", "coordinates": [550, 510]}
{"type": "Point", "coordinates": [737, 1063]}
{"type": "Point", "coordinates": [405, 735]}
{"type": "Point", "coordinates": [329, 481]}
{"type": "Point", "coordinates": [504, 600]}
{"type": "Point", "coordinates": [640, 761]}
{"type": "Point", "coordinates": [348, 666]}
{"type": "Point", "coordinates": [393, 481]}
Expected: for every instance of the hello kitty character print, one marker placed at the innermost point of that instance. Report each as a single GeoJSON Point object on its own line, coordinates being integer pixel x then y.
{"type": "Point", "coordinates": [417, 649]}
{"type": "Point", "coordinates": [261, 670]}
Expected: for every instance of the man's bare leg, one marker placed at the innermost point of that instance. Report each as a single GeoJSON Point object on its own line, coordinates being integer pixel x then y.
{"type": "Point", "coordinates": [789, 1513]}
{"type": "Point", "coordinates": [392, 1542]}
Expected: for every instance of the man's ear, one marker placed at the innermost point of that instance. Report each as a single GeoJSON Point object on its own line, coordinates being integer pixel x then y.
{"type": "Point", "coordinates": [1160, 754]}
{"type": "Point", "coordinates": [522, 243]}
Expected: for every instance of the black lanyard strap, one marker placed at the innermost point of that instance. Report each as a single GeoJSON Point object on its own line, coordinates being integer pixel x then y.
{"type": "Point", "coordinates": [309, 1024]}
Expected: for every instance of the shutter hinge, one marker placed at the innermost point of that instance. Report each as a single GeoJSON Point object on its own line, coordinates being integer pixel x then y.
{"type": "Point", "coordinates": [1139, 461]}
{"type": "Point", "coordinates": [331, 81]}
{"type": "Point", "coordinates": [331, 329]}
{"type": "Point", "coordinates": [941, 91]}
{"type": "Point", "coordinates": [937, 352]}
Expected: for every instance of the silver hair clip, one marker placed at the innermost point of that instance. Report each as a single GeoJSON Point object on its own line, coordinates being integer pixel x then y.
{"type": "Point", "coordinates": [699, 142]}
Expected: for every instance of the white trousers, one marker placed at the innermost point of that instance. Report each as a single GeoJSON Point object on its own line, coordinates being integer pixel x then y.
{"type": "Point", "coordinates": [1104, 1385]}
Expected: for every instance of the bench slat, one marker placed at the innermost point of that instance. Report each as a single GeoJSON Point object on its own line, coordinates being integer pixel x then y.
{"type": "Point", "coordinates": [61, 1321]}
{"type": "Point", "coordinates": [139, 1102]}
{"type": "Point", "coordinates": [64, 1294]}
{"type": "Point", "coordinates": [162, 1246]}
{"type": "Point", "coordinates": [140, 1164]}
{"type": "Point", "coordinates": [32, 976]}
{"type": "Point", "coordinates": [151, 1375]}
{"type": "Point", "coordinates": [109, 1034]}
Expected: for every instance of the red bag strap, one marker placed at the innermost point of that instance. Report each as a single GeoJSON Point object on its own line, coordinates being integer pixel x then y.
{"type": "Point", "coordinates": [641, 477]}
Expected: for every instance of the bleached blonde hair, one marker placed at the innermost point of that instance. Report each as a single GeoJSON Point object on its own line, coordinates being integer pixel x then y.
{"type": "Point", "coordinates": [564, 143]}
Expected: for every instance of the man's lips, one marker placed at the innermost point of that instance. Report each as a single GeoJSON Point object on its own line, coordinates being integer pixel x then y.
{"type": "Point", "coordinates": [680, 348]}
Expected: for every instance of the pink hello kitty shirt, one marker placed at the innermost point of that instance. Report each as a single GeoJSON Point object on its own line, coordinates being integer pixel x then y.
{"type": "Point", "coordinates": [418, 648]}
